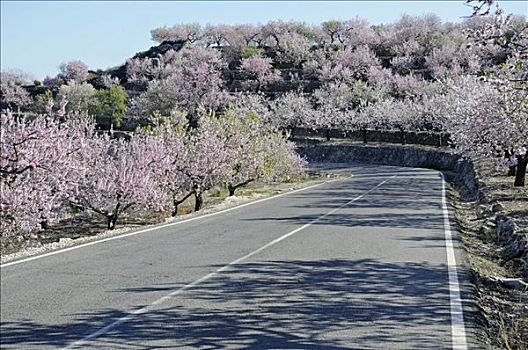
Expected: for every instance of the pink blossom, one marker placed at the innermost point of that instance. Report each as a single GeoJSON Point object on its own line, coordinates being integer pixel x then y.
{"type": "Point", "coordinates": [260, 70]}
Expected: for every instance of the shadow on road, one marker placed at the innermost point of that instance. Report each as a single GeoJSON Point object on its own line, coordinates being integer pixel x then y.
{"type": "Point", "coordinates": [327, 304]}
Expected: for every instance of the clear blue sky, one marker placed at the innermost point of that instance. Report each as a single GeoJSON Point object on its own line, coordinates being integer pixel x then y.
{"type": "Point", "coordinates": [37, 36]}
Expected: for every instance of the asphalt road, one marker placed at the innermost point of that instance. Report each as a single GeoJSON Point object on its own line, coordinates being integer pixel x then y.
{"type": "Point", "coordinates": [358, 263]}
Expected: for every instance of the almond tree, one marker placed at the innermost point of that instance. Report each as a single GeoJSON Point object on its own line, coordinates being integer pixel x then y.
{"type": "Point", "coordinates": [217, 35]}
{"type": "Point", "coordinates": [190, 79]}
{"type": "Point", "coordinates": [120, 178]}
{"type": "Point", "coordinates": [73, 70]}
{"type": "Point", "coordinates": [344, 65]}
{"type": "Point", "coordinates": [470, 109]}
{"type": "Point", "coordinates": [358, 32]}
{"type": "Point", "coordinates": [208, 158]}
{"type": "Point", "coordinates": [160, 98]}
{"type": "Point", "coordinates": [407, 86]}
{"type": "Point", "coordinates": [389, 113]}
{"type": "Point", "coordinates": [291, 111]}
{"type": "Point", "coordinates": [80, 96]}
{"type": "Point", "coordinates": [334, 31]}
{"type": "Point", "coordinates": [452, 59]}
{"type": "Point", "coordinates": [509, 79]}
{"type": "Point", "coordinates": [433, 109]}
{"type": "Point", "coordinates": [360, 97]}
{"type": "Point", "coordinates": [257, 104]}
{"type": "Point", "coordinates": [169, 171]}
{"type": "Point", "coordinates": [12, 92]}
{"type": "Point", "coordinates": [290, 41]}
{"type": "Point", "coordinates": [180, 32]}
{"type": "Point", "coordinates": [141, 70]}
{"type": "Point", "coordinates": [240, 37]}
{"type": "Point", "coordinates": [243, 137]}
{"type": "Point", "coordinates": [333, 102]}
{"type": "Point", "coordinates": [476, 132]}
{"type": "Point", "coordinates": [259, 71]}
{"type": "Point", "coordinates": [410, 40]}
{"type": "Point", "coordinates": [39, 168]}
{"type": "Point", "coordinates": [281, 161]}
{"type": "Point", "coordinates": [23, 194]}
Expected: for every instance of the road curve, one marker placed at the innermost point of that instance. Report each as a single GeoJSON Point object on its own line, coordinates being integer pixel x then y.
{"type": "Point", "coordinates": [358, 263]}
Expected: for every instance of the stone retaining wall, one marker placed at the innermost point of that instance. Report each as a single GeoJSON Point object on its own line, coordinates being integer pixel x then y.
{"type": "Point", "coordinates": [407, 156]}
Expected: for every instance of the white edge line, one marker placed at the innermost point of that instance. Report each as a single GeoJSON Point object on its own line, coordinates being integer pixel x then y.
{"type": "Point", "coordinates": [458, 329]}
{"type": "Point", "coordinates": [64, 250]}
{"type": "Point", "coordinates": [132, 314]}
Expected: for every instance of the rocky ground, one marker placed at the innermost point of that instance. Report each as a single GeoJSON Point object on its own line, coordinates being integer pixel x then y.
{"type": "Point", "coordinates": [494, 226]}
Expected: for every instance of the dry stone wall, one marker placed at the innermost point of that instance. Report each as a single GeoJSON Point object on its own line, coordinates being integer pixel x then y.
{"type": "Point", "coordinates": [399, 155]}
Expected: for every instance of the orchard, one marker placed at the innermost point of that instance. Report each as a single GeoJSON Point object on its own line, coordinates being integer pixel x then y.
{"type": "Point", "coordinates": [215, 106]}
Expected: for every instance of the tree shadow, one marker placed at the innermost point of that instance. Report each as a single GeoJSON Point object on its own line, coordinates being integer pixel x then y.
{"type": "Point", "coordinates": [405, 203]}
{"type": "Point", "coordinates": [297, 304]}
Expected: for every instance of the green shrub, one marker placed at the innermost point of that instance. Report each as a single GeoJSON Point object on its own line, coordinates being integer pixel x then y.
{"type": "Point", "coordinates": [110, 104]}
{"type": "Point", "coordinates": [250, 51]}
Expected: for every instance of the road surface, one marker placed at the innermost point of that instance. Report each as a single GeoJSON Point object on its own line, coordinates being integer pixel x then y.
{"type": "Point", "coordinates": [358, 263]}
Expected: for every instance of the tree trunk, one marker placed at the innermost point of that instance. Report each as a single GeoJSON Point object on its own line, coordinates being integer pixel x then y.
{"type": "Point", "coordinates": [232, 188]}
{"type": "Point", "coordinates": [439, 139]}
{"type": "Point", "coordinates": [327, 134]}
{"type": "Point", "coordinates": [512, 170]}
{"type": "Point", "coordinates": [44, 224]}
{"type": "Point", "coordinates": [198, 200]}
{"type": "Point", "coordinates": [364, 132]}
{"type": "Point", "coordinates": [403, 137]}
{"type": "Point", "coordinates": [522, 162]}
{"type": "Point", "coordinates": [111, 219]}
{"type": "Point", "coordinates": [177, 202]}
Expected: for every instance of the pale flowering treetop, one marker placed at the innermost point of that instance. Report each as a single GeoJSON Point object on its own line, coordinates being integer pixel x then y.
{"type": "Point", "coordinates": [259, 71]}
{"type": "Point", "coordinates": [74, 70]}
{"type": "Point", "coordinates": [80, 96]}
{"type": "Point", "coordinates": [142, 69]}
{"type": "Point", "coordinates": [245, 103]}
{"type": "Point", "coordinates": [292, 110]}
{"type": "Point", "coordinates": [180, 32]}
{"type": "Point", "coordinates": [474, 110]}
{"type": "Point", "coordinates": [333, 101]}
{"type": "Point", "coordinates": [14, 95]}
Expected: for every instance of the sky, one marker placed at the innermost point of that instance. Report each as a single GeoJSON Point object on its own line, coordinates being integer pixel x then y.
{"type": "Point", "coordinates": [37, 36]}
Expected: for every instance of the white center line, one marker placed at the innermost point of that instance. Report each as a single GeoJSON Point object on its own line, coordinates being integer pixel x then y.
{"type": "Point", "coordinates": [176, 292]}
{"type": "Point", "coordinates": [458, 329]}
